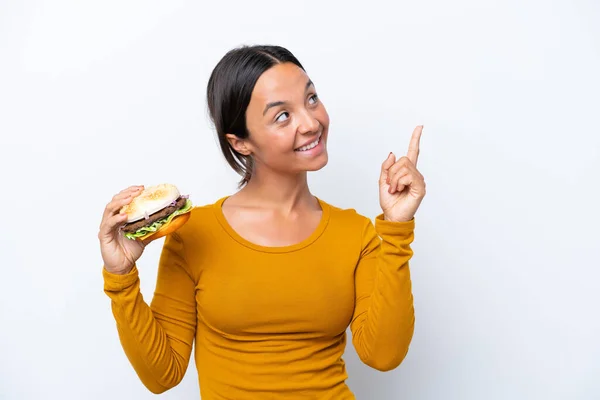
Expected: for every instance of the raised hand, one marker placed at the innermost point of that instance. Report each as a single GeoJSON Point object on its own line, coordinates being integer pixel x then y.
{"type": "Point", "coordinates": [401, 185]}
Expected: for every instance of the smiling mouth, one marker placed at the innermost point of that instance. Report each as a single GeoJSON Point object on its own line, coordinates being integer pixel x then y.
{"type": "Point", "coordinates": [310, 145]}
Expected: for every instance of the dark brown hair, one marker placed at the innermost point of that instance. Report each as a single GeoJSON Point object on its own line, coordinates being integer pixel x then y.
{"type": "Point", "coordinates": [229, 91]}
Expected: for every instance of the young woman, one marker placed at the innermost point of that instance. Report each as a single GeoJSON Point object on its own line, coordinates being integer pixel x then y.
{"type": "Point", "coordinates": [266, 281]}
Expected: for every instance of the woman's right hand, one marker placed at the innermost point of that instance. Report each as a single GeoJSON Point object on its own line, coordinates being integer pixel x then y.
{"type": "Point", "coordinates": [118, 252]}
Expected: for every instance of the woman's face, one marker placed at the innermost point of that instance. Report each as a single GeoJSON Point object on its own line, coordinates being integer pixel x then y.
{"type": "Point", "coordinates": [287, 122]}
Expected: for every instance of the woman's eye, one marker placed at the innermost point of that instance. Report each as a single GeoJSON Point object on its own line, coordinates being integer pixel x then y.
{"type": "Point", "coordinates": [281, 115]}
{"type": "Point", "coordinates": [314, 99]}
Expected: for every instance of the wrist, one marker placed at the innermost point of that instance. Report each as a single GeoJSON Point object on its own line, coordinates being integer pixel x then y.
{"type": "Point", "coordinates": [396, 219]}
{"type": "Point", "coordinates": [118, 271]}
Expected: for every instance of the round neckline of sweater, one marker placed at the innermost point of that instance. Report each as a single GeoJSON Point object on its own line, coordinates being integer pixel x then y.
{"type": "Point", "coordinates": [218, 209]}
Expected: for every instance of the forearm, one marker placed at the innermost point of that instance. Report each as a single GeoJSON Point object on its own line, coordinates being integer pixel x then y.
{"type": "Point", "coordinates": [384, 328]}
{"type": "Point", "coordinates": [150, 350]}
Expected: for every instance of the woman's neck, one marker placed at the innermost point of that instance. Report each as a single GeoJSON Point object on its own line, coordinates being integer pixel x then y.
{"type": "Point", "coordinates": [285, 193]}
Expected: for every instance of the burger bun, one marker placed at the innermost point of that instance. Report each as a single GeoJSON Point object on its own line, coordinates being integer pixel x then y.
{"type": "Point", "coordinates": [150, 200]}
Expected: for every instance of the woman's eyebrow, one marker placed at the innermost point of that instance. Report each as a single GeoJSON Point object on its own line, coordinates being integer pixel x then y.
{"type": "Point", "coordinates": [281, 103]}
{"type": "Point", "coordinates": [273, 104]}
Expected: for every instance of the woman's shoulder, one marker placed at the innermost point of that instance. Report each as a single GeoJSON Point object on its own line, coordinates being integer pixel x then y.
{"type": "Point", "coordinates": [203, 216]}
{"type": "Point", "coordinates": [207, 206]}
{"type": "Point", "coordinates": [347, 215]}
{"type": "Point", "coordinates": [347, 223]}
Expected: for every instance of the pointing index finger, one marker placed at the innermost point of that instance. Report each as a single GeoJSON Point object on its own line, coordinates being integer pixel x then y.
{"type": "Point", "coordinates": [413, 147]}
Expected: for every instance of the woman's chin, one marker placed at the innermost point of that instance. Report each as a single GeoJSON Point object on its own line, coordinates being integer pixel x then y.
{"type": "Point", "coordinates": [318, 163]}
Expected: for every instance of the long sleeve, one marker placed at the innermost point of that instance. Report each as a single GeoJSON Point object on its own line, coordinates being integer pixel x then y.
{"type": "Point", "coordinates": [383, 322]}
{"type": "Point", "coordinates": [157, 339]}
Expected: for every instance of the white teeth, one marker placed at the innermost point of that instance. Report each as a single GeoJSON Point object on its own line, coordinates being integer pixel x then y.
{"type": "Point", "coordinates": [310, 146]}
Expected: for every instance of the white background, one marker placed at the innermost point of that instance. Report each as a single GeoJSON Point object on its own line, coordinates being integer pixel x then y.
{"type": "Point", "coordinates": [97, 96]}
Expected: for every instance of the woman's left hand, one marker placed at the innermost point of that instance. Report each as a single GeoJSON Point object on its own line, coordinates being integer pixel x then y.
{"type": "Point", "coordinates": [401, 185]}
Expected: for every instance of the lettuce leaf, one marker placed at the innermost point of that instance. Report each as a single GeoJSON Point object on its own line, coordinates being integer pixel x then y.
{"type": "Point", "coordinates": [156, 225]}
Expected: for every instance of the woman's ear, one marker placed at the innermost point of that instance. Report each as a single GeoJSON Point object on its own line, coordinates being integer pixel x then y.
{"type": "Point", "coordinates": [239, 145]}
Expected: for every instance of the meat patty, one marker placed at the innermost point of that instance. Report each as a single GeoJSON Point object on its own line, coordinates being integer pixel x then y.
{"type": "Point", "coordinates": [152, 218]}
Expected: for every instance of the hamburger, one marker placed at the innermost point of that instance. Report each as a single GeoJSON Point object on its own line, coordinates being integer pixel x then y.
{"type": "Point", "coordinates": [156, 212]}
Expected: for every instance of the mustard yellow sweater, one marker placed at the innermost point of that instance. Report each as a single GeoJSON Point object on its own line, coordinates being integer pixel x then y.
{"type": "Point", "coordinates": [269, 322]}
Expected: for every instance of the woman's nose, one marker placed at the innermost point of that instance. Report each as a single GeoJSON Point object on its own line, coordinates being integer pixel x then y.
{"type": "Point", "coordinates": [308, 123]}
